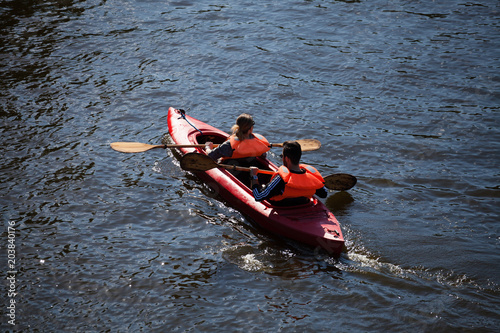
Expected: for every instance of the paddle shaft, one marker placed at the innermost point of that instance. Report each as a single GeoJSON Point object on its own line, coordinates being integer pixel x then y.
{"type": "Point", "coordinates": [180, 146]}
{"type": "Point", "coordinates": [199, 162]}
{"type": "Point", "coordinates": [338, 182]}
{"type": "Point", "coordinates": [138, 147]}
{"type": "Point", "coordinates": [238, 168]}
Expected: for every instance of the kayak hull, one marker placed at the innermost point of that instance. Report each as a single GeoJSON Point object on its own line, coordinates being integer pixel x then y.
{"type": "Point", "coordinates": [311, 223]}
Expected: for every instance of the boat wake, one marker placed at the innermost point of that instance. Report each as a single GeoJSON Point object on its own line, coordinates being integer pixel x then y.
{"type": "Point", "coordinates": [244, 256]}
{"type": "Point", "coordinates": [360, 261]}
{"type": "Point", "coordinates": [357, 264]}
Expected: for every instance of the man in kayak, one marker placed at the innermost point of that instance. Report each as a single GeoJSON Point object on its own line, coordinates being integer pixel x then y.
{"type": "Point", "coordinates": [242, 147]}
{"type": "Point", "coordinates": [293, 184]}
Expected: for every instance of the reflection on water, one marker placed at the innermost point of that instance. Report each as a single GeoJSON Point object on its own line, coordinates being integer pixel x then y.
{"type": "Point", "coordinates": [339, 203]}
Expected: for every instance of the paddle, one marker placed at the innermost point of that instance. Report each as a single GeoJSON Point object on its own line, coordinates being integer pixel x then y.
{"type": "Point", "coordinates": [138, 147]}
{"type": "Point", "coordinates": [199, 162]}
{"type": "Point", "coordinates": [305, 144]}
{"type": "Point", "coordinates": [340, 182]}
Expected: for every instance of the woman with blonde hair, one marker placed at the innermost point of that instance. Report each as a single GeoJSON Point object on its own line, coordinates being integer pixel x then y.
{"type": "Point", "coordinates": [242, 144]}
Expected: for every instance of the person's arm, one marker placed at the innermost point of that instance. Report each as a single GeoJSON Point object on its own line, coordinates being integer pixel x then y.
{"type": "Point", "coordinates": [322, 192]}
{"type": "Point", "coordinates": [275, 187]}
{"type": "Point", "coordinates": [223, 150]}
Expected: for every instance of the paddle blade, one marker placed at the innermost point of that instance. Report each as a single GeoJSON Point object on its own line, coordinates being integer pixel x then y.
{"type": "Point", "coordinates": [305, 144]}
{"type": "Point", "coordinates": [340, 182]}
{"type": "Point", "coordinates": [133, 147]}
{"type": "Point", "coordinates": [309, 144]}
{"type": "Point", "coordinates": [197, 162]}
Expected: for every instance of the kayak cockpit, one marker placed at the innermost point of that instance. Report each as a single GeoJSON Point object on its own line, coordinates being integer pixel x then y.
{"type": "Point", "coordinates": [242, 178]}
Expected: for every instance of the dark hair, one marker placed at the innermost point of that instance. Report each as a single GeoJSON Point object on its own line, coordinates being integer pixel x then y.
{"type": "Point", "coordinates": [292, 150]}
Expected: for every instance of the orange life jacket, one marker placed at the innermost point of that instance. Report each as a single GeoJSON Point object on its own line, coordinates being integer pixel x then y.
{"type": "Point", "coordinates": [255, 146]}
{"type": "Point", "coordinates": [299, 185]}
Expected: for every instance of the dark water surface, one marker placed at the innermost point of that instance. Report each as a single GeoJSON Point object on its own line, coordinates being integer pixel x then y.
{"type": "Point", "coordinates": [403, 94]}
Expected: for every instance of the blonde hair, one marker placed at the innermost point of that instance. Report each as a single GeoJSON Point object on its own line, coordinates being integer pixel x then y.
{"type": "Point", "coordinates": [243, 124]}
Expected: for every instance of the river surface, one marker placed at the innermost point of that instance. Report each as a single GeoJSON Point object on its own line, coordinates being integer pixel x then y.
{"type": "Point", "coordinates": [405, 95]}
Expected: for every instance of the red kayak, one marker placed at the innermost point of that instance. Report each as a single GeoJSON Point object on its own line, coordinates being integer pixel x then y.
{"type": "Point", "coordinates": [310, 223]}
